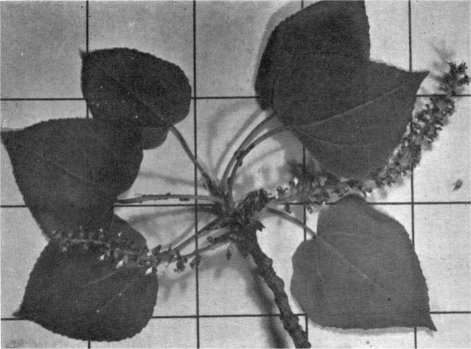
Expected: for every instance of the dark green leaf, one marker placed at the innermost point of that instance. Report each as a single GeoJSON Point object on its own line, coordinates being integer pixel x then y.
{"type": "Point", "coordinates": [76, 294]}
{"type": "Point", "coordinates": [351, 116]}
{"type": "Point", "coordinates": [327, 28]}
{"type": "Point", "coordinates": [136, 89]}
{"type": "Point", "coordinates": [71, 171]}
{"type": "Point", "coordinates": [360, 272]}
{"type": "Point", "coordinates": [350, 113]}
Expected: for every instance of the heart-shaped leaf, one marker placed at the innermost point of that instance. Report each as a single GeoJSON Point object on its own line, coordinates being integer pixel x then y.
{"type": "Point", "coordinates": [71, 171]}
{"type": "Point", "coordinates": [350, 113]}
{"type": "Point", "coordinates": [360, 272]}
{"type": "Point", "coordinates": [76, 294]}
{"type": "Point", "coordinates": [136, 88]}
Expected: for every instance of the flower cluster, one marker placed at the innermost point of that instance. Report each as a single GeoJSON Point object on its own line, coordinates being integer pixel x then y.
{"type": "Point", "coordinates": [424, 127]}
{"type": "Point", "coordinates": [119, 248]}
{"type": "Point", "coordinates": [317, 186]}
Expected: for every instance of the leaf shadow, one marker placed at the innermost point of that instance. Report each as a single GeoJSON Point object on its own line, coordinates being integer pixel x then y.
{"type": "Point", "coordinates": [377, 332]}
{"type": "Point", "coordinates": [276, 18]}
{"type": "Point", "coordinates": [268, 167]}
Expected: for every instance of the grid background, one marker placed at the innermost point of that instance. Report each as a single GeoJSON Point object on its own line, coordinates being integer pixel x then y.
{"type": "Point", "coordinates": [218, 45]}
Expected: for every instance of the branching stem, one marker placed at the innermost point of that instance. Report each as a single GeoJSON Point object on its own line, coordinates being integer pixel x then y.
{"type": "Point", "coordinates": [243, 144]}
{"type": "Point", "coordinates": [211, 226]}
{"type": "Point", "coordinates": [240, 155]}
{"type": "Point", "coordinates": [204, 173]}
{"type": "Point", "coordinates": [181, 197]}
{"type": "Point", "coordinates": [204, 249]}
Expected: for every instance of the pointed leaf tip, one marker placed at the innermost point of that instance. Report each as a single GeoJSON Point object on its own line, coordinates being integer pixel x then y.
{"type": "Point", "coordinates": [360, 272]}
{"type": "Point", "coordinates": [326, 27]}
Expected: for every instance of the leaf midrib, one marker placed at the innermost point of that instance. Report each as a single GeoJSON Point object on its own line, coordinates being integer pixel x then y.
{"type": "Point", "coordinates": [355, 268]}
{"type": "Point", "coordinates": [346, 113]}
